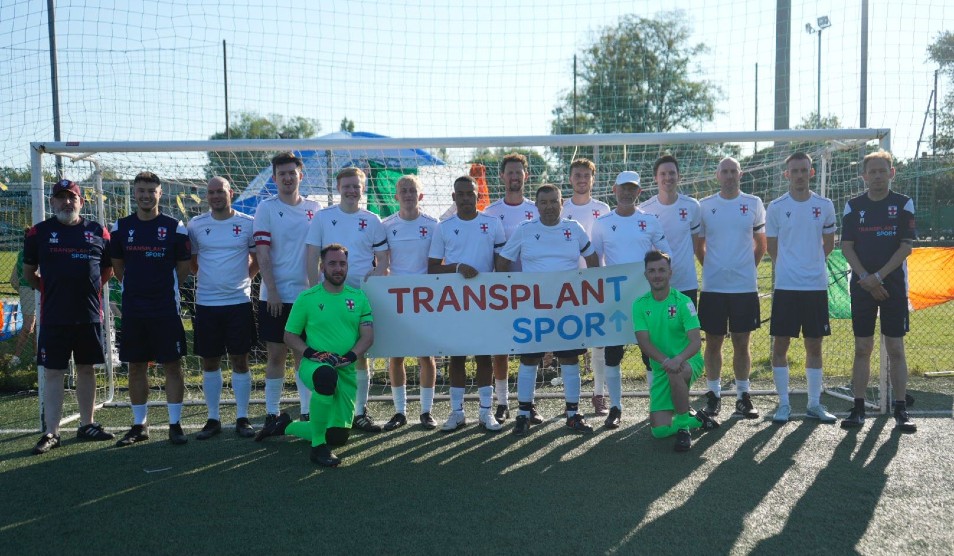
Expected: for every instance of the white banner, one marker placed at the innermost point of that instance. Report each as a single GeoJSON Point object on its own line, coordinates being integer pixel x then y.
{"type": "Point", "coordinates": [504, 312]}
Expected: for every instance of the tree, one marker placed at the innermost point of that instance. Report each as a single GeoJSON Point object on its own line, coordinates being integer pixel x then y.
{"type": "Point", "coordinates": [941, 51]}
{"type": "Point", "coordinates": [638, 76]}
{"type": "Point", "coordinates": [241, 167]}
{"type": "Point", "coordinates": [347, 125]}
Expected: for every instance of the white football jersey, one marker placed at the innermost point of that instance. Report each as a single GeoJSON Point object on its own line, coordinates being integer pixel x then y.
{"type": "Point", "coordinates": [728, 227]}
{"type": "Point", "coordinates": [626, 239]}
{"type": "Point", "coordinates": [222, 248]}
{"type": "Point", "coordinates": [361, 232]}
{"type": "Point", "coordinates": [283, 228]}
{"type": "Point", "coordinates": [586, 215]}
{"type": "Point", "coordinates": [799, 227]}
{"type": "Point", "coordinates": [410, 242]}
{"type": "Point", "coordinates": [512, 216]}
{"type": "Point", "coordinates": [472, 242]}
{"type": "Point", "coordinates": [680, 221]}
{"type": "Point", "coordinates": [548, 248]}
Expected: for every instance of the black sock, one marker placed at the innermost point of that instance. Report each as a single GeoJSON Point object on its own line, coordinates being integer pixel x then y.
{"type": "Point", "coordinates": [860, 404]}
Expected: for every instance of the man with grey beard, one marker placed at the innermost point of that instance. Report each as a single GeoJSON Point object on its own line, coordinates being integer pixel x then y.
{"type": "Point", "coordinates": [66, 257]}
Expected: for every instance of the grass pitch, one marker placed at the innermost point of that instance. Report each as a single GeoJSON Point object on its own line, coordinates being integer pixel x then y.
{"type": "Point", "coordinates": [749, 487]}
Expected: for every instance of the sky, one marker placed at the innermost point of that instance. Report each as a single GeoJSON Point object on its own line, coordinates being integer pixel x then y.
{"type": "Point", "coordinates": [152, 70]}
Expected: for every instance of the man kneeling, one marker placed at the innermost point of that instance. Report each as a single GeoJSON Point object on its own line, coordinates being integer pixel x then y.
{"type": "Point", "coordinates": [337, 325]}
{"type": "Point", "coordinates": [667, 329]}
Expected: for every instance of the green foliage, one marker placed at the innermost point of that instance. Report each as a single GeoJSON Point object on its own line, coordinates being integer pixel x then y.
{"type": "Point", "coordinates": [347, 125]}
{"type": "Point", "coordinates": [639, 76]}
{"type": "Point", "coordinates": [241, 167]}
{"type": "Point", "coordinates": [941, 51]}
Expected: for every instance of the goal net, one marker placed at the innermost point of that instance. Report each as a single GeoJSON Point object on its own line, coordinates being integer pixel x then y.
{"type": "Point", "coordinates": [105, 170]}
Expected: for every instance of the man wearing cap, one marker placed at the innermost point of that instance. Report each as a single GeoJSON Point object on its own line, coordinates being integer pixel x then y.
{"type": "Point", "coordinates": [66, 258]}
{"type": "Point", "coordinates": [730, 245]}
{"type": "Point", "coordinates": [623, 236]}
{"type": "Point", "coordinates": [151, 256]}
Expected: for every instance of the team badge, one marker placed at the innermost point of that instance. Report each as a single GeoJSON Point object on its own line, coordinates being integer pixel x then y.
{"type": "Point", "coordinates": [893, 211]}
{"type": "Point", "coordinates": [53, 238]}
{"type": "Point", "coordinates": [362, 224]}
{"type": "Point", "coordinates": [423, 232]}
{"type": "Point", "coordinates": [744, 209]}
{"type": "Point", "coordinates": [596, 214]}
{"type": "Point", "coordinates": [683, 214]}
{"type": "Point", "coordinates": [483, 229]}
{"type": "Point", "coordinates": [236, 230]}
{"type": "Point", "coordinates": [529, 215]}
{"type": "Point", "coordinates": [89, 236]}
{"type": "Point", "coordinates": [350, 304]}
{"type": "Point", "coordinates": [567, 234]}
{"type": "Point", "coordinates": [161, 232]}
{"type": "Point", "coordinates": [642, 225]}
{"type": "Point", "coordinates": [672, 311]}
{"type": "Point", "coordinates": [309, 213]}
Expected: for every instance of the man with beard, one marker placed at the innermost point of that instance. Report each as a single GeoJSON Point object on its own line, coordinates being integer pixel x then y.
{"type": "Point", "coordinates": [512, 210]}
{"type": "Point", "coordinates": [224, 262]}
{"type": "Point", "coordinates": [337, 325]}
{"type": "Point", "coordinates": [151, 254]}
{"type": "Point", "coordinates": [65, 257]}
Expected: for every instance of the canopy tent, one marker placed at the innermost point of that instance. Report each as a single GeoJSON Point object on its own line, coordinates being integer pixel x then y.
{"type": "Point", "coordinates": [383, 167]}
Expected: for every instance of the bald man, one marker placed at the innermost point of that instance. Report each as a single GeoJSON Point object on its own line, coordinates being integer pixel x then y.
{"type": "Point", "coordinates": [224, 262]}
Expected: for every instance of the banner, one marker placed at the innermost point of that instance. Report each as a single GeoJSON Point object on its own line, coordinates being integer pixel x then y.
{"type": "Point", "coordinates": [499, 313]}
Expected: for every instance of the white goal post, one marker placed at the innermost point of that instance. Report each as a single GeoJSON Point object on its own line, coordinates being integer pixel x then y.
{"type": "Point", "coordinates": [610, 152]}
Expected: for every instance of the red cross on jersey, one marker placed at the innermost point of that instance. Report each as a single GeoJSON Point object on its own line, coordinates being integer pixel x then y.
{"type": "Point", "coordinates": [672, 311]}
{"type": "Point", "coordinates": [816, 212]}
{"type": "Point", "coordinates": [309, 214]}
{"type": "Point", "coordinates": [362, 224]}
{"type": "Point", "coordinates": [567, 234]}
{"type": "Point", "coordinates": [744, 209]}
{"type": "Point", "coordinates": [350, 304]}
{"type": "Point", "coordinates": [423, 231]}
{"type": "Point", "coordinates": [642, 225]}
{"type": "Point", "coordinates": [683, 213]}
{"type": "Point", "coordinates": [892, 211]}
{"type": "Point", "coordinates": [596, 214]}
{"type": "Point", "coordinates": [483, 228]}
{"type": "Point", "coordinates": [529, 215]}
{"type": "Point", "coordinates": [236, 229]}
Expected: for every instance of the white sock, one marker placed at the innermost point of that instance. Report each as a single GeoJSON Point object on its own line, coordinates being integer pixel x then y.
{"type": "Point", "coordinates": [399, 393]}
{"type": "Point", "coordinates": [486, 395]}
{"type": "Point", "coordinates": [427, 400]}
{"type": "Point", "coordinates": [140, 413]}
{"type": "Point", "coordinates": [364, 384]}
{"type": "Point", "coordinates": [457, 399]}
{"type": "Point", "coordinates": [175, 413]}
{"type": "Point", "coordinates": [650, 376]}
{"type": "Point", "coordinates": [242, 388]}
{"type": "Point", "coordinates": [715, 386]}
{"type": "Point", "coordinates": [614, 383]}
{"type": "Point", "coordinates": [526, 380]}
{"type": "Point", "coordinates": [571, 383]}
{"type": "Point", "coordinates": [814, 377]}
{"type": "Point", "coordinates": [503, 391]}
{"type": "Point", "coordinates": [273, 395]}
{"type": "Point", "coordinates": [598, 363]}
{"type": "Point", "coordinates": [212, 388]}
{"type": "Point", "coordinates": [304, 395]}
{"type": "Point", "coordinates": [741, 387]}
{"type": "Point", "coordinates": [781, 384]}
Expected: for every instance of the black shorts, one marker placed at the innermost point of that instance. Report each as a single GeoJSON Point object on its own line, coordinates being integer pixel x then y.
{"type": "Point", "coordinates": [271, 329]}
{"type": "Point", "coordinates": [805, 311]}
{"type": "Point", "coordinates": [740, 310]}
{"type": "Point", "coordinates": [693, 295]}
{"type": "Point", "coordinates": [558, 354]}
{"type": "Point", "coordinates": [57, 342]}
{"type": "Point", "coordinates": [223, 328]}
{"type": "Point", "coordinates": [159, 339]}
{"type": "Point", "coordinates": [894, 311]}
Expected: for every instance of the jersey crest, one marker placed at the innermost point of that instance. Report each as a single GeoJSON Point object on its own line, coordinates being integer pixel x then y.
{"type": "Point", "coordinates": [672, 311]}
{"type": "Point", "coordinates": [350, 304]}
{"type": "Point", "coordinates": [88, 236]}
{"type": "Point", "coordinates": [744, 209]}
{"type": "Point", "coordinates": [567, 234]}
{"type": "Point", "coordinates": [236, 230]}
{"type": "Point", "coordinates": [161, 232]}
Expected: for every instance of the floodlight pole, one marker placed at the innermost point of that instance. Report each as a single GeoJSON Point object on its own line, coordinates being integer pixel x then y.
{"type": "Point", "coordinates": [818, 109]}
{"type": "Point", "coordinates": [54, 79]}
